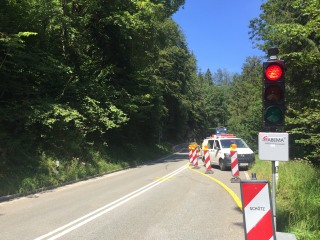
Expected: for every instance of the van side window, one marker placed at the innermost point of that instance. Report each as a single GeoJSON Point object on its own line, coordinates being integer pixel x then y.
{"type": "Point", "coordinates": [216, 144]}
{"type": "Point", "coordinates": [210, 144]}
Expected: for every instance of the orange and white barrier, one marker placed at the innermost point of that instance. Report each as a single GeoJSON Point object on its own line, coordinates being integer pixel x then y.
{"type": "Point", "coordinates": [207, 160]}
{"type": "Point", "coordinates": [234, 161]}
{"type": "Point", "coordinates": [257, 210]}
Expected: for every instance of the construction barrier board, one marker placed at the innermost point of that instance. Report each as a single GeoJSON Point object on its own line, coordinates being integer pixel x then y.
{"type": "Point", "coordinates": [234, 163]}
{"type": "Point", "coordinates": [257, 210]}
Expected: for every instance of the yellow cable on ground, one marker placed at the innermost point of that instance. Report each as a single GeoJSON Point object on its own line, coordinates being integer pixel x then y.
{"type": "Point", "coordinates": [233, 195]}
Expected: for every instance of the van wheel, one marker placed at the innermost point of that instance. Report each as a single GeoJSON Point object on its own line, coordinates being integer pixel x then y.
{"type": "Point", "coordinates": [222, 165]}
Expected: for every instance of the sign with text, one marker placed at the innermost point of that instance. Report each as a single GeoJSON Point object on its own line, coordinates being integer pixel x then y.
{"type": "Point", "coordinates": [273, 146]}
{"type": "Point", "coordinates": [257, 210]}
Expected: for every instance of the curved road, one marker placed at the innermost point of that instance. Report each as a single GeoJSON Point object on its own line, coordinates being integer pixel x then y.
{"type": "Point", "coordinates": [165, 199]}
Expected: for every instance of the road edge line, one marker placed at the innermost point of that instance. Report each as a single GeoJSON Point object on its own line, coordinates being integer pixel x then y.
{"type": "Point", "coordinates": [233, 195]}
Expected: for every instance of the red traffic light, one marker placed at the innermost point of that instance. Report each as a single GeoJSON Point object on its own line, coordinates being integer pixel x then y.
{"type": "Point", "coordinates": [273, 94]}
{"type": "Point", "coordinates": [273, 72]}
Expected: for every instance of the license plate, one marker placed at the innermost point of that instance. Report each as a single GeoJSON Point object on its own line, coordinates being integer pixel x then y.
{"type": "Point", "coordinates": [244, 164]}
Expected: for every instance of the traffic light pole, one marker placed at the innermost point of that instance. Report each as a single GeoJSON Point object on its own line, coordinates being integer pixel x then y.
{"type": "Point", "coordinates": [273, 98]}
{"type": "Point", "coordinates": [274, 208]}
{"type": "Point", "coordinates": [274, 142]}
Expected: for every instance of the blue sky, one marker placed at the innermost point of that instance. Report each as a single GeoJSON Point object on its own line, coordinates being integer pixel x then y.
{"type": "Point", "coordinates": [217, 32]}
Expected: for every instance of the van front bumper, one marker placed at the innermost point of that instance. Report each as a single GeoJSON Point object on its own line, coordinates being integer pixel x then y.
{"type": "Point", "coordinates": [244, 160]}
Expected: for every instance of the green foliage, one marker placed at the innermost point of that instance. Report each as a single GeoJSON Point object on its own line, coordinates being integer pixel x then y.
{"type": "Point", "coordinates": [102, 161]}
{"type": "Point", "coordinates": [77, 71]}
{"type": "Point", "coordinates": [298, 197]}
{"type": "Point", "coordinates": [306, 129]}
{"type": "Point", "coordinates": [28, 185]}
{"type": "Point", "coordinates": [232, 100]}
{"type": "Point", "coordinates": [214, 93]}
{"type": "Point", "coordinates": [244, 104]}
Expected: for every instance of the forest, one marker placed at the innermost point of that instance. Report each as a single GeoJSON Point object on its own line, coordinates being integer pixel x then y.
{"type": "Point", "coordinates": [93, 82]}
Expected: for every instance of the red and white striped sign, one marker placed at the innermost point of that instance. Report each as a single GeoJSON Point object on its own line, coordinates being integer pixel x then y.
{"type": "Point", "coordinates": [234, 163]}
{"type": "Point", "coordinates": [190, 155]}
{"type": "Point", "coordinates": [207, 161]}
{"type": "Point", "coordinates": [257, 211]}
{"type": "Point", "coordinates": [195, 158]}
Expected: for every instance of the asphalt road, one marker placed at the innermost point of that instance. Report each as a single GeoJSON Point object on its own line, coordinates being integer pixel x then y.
{"type": "Point", "coordinates": [161, 200]}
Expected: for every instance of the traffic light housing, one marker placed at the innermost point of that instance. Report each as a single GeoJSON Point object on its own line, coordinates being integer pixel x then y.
{"type": "Point", "coordinates": [273, 95]}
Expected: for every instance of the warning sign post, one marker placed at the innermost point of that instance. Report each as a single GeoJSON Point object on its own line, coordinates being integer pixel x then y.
{"type": "Point", "coordinates": [274, 146]}
{"type": "Point", "coordinates": [257, 210]}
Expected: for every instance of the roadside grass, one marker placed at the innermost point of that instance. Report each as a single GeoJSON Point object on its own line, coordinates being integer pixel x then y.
{"type": "Point", "coordinates": [29, 179]}
{"type": "Point", "coordinates": [297, 197]}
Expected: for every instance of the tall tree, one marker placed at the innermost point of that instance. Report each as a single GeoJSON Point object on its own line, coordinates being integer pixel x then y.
{"type": "Point", "coordinates": [208, 77]}
{"type": "Point", "coordinates": [245, 104]}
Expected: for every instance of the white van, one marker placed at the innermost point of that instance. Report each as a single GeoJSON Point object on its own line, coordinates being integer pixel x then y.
{"type": "Point", "coordinates": [219, 151]}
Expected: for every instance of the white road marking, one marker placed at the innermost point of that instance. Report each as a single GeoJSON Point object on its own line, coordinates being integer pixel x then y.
{"type": "Point", "coordinates": [63, 230]}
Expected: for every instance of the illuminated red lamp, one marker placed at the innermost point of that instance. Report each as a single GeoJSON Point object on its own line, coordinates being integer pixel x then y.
{"type": "Point", "coordinates": [273, 72]}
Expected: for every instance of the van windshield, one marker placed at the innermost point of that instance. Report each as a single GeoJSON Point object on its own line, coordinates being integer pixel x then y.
{"type": "Point", "coordinates": [226, 143]}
